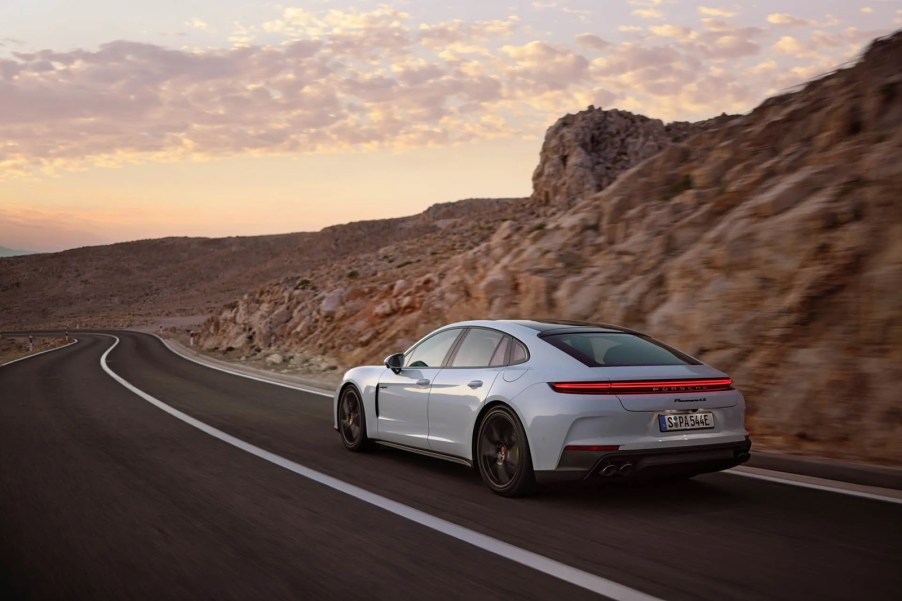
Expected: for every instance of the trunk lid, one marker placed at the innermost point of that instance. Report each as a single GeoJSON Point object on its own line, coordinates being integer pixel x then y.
{"type": "Point", "coordinates": [670, 387]}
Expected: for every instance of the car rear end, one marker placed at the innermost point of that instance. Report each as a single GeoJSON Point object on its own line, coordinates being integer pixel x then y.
{"type": "Point", "coordinates": [673, 415]}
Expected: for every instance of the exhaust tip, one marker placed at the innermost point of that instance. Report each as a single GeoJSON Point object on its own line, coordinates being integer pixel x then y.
{"type": "Point", "coordinates": [626, 469]}
{"type": "Point", "coordinates": [609, 470]}
{"type": "Point", "coordinates": [743, 456]}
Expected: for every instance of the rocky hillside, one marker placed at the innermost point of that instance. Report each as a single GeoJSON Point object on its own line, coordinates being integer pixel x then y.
{"type": "Point", "coordinates": [134, 282]}
{"type": "Point", "coordinates": [769, 245]}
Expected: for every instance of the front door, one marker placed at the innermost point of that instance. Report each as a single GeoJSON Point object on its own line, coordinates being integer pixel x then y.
{"type": "Point", "coordinates": [403, 398]}
{"type": "Point", "coordinates": [402, 404]}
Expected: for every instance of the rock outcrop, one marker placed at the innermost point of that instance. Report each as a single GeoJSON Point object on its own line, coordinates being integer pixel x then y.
{"type": "Point", "coordinates": [583, 153]}
{"type": "Point", "coordinates": [769, 245]}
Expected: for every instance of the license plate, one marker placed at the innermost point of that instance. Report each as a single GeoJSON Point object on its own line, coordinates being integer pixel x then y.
{"type": "Point", "coordinates": [686, 421]}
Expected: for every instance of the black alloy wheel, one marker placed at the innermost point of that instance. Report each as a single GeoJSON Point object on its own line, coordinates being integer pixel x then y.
{"type": "Point", "coordinates": [502, 454]}
{"type": "Point", "coordinates": [352, 420]}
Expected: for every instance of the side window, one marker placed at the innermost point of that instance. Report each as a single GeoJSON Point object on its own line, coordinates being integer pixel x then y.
{"type": "Point", "coordinates": [478, 348]}
{"type": "Point", "coordinates": [432, 351]}
{"type": "Point", "coordinates": [500, 357]}
{"type": "Point", "coordinates": [519, 354]}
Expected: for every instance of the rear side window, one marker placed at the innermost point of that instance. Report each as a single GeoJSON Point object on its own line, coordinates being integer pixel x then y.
{"type": "Point", "coordinates": [484, 347]}
{"type": "Point", "coordinates": [500, 356]}
{"type": "Point", "coordinates": [519, 354]}
{"type": "Point", "coordinates": [477, 348]}
{"type": "Point", "coordinates": [617, 349]}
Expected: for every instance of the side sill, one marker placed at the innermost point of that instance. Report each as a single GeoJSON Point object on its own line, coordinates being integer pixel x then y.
{"type": "Point", "coordinates": [426, 452]}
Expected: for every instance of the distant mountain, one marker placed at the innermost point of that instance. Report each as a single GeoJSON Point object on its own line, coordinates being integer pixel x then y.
{"type": "Point", "coordinates": [11, 252]}
{"type": "Point", "coordinates": [134, 282]}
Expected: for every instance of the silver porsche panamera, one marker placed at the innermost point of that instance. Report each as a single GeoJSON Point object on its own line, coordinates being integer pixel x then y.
{"type": "Point", "coordinates": [538, 401]}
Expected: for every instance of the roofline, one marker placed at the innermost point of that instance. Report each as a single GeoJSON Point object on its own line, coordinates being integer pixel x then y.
{"type": "Point", "coordinates": [566, 324]}
{"type": "Point", "coordinates": [546, 326]}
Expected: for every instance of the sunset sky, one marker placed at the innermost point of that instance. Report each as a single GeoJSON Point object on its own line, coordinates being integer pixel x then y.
{"type": "Point", "coordinates": [129, 120]}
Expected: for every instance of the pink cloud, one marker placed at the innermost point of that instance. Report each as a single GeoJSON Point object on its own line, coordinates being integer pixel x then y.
{"type": "Point", "coordinates": [364, 80]}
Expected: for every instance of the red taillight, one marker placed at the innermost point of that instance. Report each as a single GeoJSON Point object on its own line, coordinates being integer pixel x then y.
{"type": "Point", "coordinates": [582, 387]}
{"type": "Point", "coordinates": [643, 386]}
{"type": "Point", "coordinates": [592, 447]}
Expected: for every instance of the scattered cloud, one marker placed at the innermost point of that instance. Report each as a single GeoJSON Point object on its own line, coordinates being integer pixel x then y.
{"type": "Point", "coordinates": [789, 45]}
{"type": "Point", "coordinates": [196, 23]}
{"type": "Point", "coordinates": [785, 19]}
{"type": "Point", "coordinates": [677, 32]}
{"type": "Point", "coordinates": [716, 12]}
{"type": "Point", "coordinates": [591, 41]}
{"type": "Point", "coordinates": [712, 24]}
{"type": "Point", "coordinates": [357, 80]}
{"type": "Point", "coordinates": [867, 10]}
{"type": "Point", "coordinates": [647, 13]}
{"type": "Point", "coordinates": [768, 66]}
{"type": "Point", "coordinates": [242, 36]}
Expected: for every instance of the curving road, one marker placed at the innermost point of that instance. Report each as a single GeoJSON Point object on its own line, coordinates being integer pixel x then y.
{"type": "Point", "coordinates": [105, 496]}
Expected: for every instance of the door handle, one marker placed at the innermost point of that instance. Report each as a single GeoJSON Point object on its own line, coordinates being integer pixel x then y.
{"type": "Point", "coordinates": [475, 384]}
{"type": "Point", "coordinates": [423, 382]}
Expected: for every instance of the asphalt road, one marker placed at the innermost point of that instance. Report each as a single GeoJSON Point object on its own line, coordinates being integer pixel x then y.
{"type": "Point", "coordinates": [105, 496]}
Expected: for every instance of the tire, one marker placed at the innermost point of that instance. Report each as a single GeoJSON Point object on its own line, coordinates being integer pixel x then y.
{"type": "Point", "coordinates": [352, 420]}
{"type": "Point", "coordinates": [502, 454]}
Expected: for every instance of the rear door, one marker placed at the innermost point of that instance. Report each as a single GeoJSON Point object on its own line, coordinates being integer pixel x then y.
{"type": "Point", "coordinates": [460, 389]}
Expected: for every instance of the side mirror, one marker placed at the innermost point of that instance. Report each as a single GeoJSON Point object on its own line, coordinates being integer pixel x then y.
{"type": "Point", "coordinates": [395, 362]}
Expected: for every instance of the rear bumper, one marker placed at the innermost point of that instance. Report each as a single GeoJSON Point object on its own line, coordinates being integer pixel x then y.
{"type": "Point", "coordinates": [647, 463]}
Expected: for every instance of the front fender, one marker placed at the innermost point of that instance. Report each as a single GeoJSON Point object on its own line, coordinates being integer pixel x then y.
{"type": "Point", "coordinates": [366, 379]}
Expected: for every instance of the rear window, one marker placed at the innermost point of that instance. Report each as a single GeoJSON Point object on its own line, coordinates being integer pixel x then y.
{"type": "Point", "coordinates": [613, 349]}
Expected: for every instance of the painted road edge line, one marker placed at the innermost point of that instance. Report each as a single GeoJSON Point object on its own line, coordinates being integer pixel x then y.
{"type": "Point", "coordinates": [243, 375]}
{"type": "Point", "coordinates": [815, 486]}
{"type": "Point", "coordinates": [74, 340]}
{"type": "Point", "coordinates": [551, 567]}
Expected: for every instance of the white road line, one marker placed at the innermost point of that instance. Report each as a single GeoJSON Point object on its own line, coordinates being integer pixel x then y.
{"type": "Point", "coordinates": [243, 375]}
{"type": "Point", "coordinates": [813, 483]}
{"type": "Point", "coordinates": [543, 564]}
{"type": "Point", "coordinates": [74, 340]}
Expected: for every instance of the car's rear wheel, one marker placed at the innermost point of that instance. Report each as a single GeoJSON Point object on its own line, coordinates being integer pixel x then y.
{"type": "Point", "coordinates": [502, 454]}
{"type": "Point", "coordinates": [352, 420]}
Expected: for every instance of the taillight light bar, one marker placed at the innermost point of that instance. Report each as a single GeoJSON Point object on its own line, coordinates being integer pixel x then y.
{"type": "Point", "coordinates": [643, 386]}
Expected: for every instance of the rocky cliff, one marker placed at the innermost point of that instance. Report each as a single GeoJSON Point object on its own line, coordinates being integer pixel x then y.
{"type": "Point", "coordinates": [584, 153]}
{"type": "Point", "coordinates": [769, 245]}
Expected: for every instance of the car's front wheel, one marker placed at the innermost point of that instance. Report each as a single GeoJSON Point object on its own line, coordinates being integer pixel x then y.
{"type": "Point", "coordinates": [352, 420]}
{"type": "Point", "coordinates": [502, 454]}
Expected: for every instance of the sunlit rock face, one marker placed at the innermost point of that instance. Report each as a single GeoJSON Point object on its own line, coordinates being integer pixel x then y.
{"type": "Point", "coordinates": [769, 245]}
{"type": "Point", "coordinates": [584, 153]}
